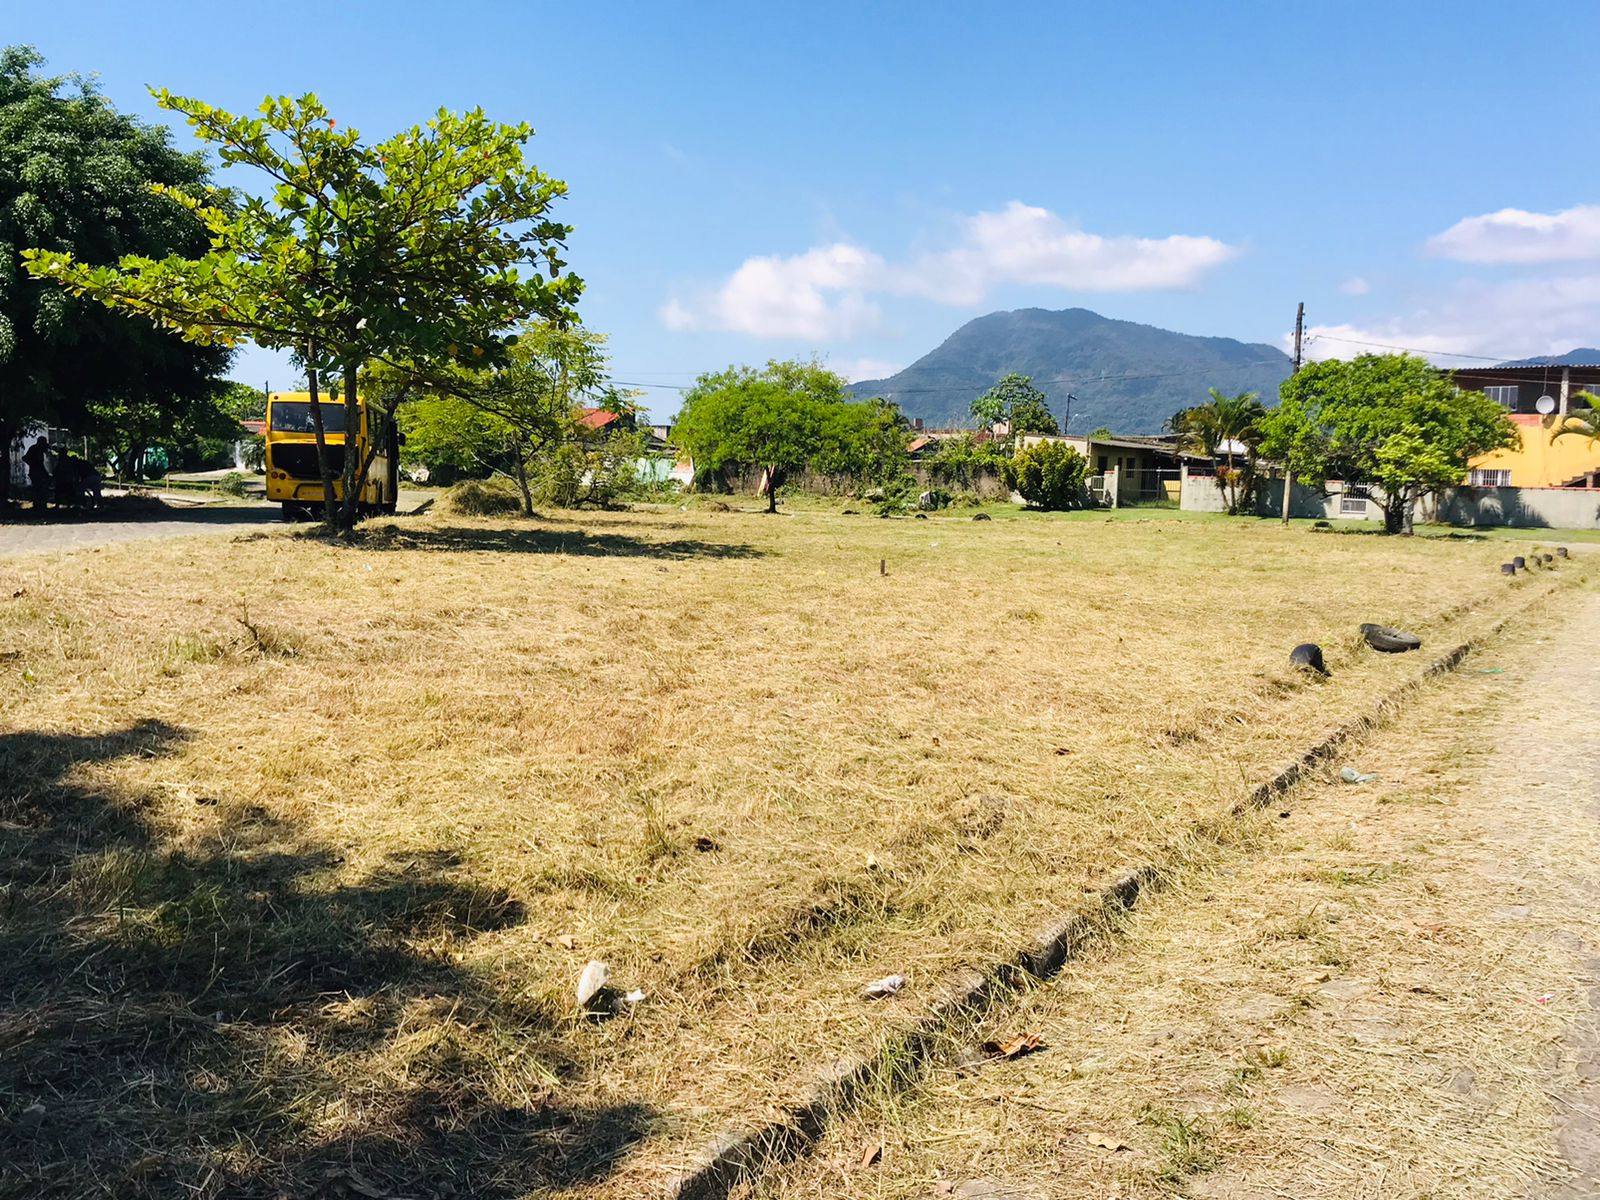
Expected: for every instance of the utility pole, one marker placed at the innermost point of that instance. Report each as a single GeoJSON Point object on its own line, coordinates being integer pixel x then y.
{"type": "Point", "coordinates": [1068, 421]}
{"type": "Point", "coordinates": [1288, 471]}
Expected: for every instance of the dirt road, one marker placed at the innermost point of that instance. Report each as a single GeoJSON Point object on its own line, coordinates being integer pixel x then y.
{"type": "Point", "coordinates": [178, 519]}
{"type": "Point", "coordinates": [1394, 991]}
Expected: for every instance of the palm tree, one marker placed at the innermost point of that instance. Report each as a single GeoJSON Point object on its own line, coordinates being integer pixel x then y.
{"type": "Point", "coordinates": [1225, 427]}
{"type": "Point", "coordinates": [1583, 421]}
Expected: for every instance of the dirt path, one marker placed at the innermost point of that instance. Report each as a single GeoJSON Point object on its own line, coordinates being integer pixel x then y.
{"type": "Point", "coordinates": [180, 519]}
{"type": "Point", "coordinates": [1394, 991]}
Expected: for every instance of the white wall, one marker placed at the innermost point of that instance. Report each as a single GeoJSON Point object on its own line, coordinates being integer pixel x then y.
{"type": "Point", "coordinates": [1526, 508]}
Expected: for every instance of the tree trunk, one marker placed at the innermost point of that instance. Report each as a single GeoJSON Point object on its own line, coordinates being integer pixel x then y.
{"type": "Point", "coordinates": [772, 489]}
{"type": "Point", "coordinates": [8, 434]}
{"type": "Point", "coordinates": [522, 478]}
{"type": "Point", "coordinates": [1288, 490]}
{"type": "Point", "coordinates": [324, 468]}
{"type": "Point", "coordinates": [354, 470]}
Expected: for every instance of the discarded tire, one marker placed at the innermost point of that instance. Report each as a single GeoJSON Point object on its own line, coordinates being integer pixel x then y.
{"type": "Point", "coordinates": [1390, 641]}
{"type": "Point", "coordinates": [1520, 563]}
{"type": "Point", "coordinates": [1308, 655]}
{"type": "Point", "coordinates": [1549, 558]}
{"type": "Point", "coordinates": [1508, 568]}
{"type": "Point", "coordinates": [1561, 552]}
{"type": "Point", "coordinates": [981, 517]}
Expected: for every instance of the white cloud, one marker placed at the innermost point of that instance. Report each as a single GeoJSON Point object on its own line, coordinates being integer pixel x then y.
{"type": "Point", "coordinates": [1355, 286]}
{"type": "Point", "coordinates": [857, 369]}
{"type": "Point", "coordinates": [815, 296]}
{"type": "Point", "coordinates": [823, 294]}
{"type": "Point", "coordinates": [1514, 235]}
{"type": "Point", "coordinates": [1029, 245]}
{"type": "Point", "coordinates": [1502, 319]}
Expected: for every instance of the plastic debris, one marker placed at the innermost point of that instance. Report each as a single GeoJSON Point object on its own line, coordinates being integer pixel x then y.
{"type": "Point", "coordinates": [879, 988]}
{"type": "Point", "coordinates": [1351, 775]}
{"type": "Point", "coordinates": [592, 981]}
{"type": "Point", "coordinates": [1016, 1047]}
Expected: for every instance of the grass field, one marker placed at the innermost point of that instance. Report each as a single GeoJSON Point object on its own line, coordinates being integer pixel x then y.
{"type": "Point", "coordinates": [1329, 1008]}
{"type": "Point", "coordinates": [256, 946]}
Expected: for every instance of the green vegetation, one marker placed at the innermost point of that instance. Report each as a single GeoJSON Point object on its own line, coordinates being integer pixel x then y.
{"type": "Point", "coordinates": [1048, 475]}
{"type": "Point", "coordinates": [75, 178]}
{"type": "Point", "coordinates": [1228, 428]}
{"type": "Point", "coordinates": [520, 419]}
{"type": "Point", "coordinates": [1016, 401]}
{"type": "Point", "coordinates": [1583, 420]}
{"type": "Point", "coordinates": [1388, 419]}
{"type": "Point", "coordinates": [962, 461]}
{"type": "Point", "coordinates": [405, 251]}
{"type": "Point", "coordinates": [785, 418]}
{"type": "Point", "coordinates": [1126, 375]}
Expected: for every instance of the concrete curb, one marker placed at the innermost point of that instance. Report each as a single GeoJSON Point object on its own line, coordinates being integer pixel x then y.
{"type": "Point", "coordinates": [736, 1157]}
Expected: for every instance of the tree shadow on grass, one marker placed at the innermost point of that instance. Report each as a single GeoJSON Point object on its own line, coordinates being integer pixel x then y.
{"type": "Point", "coordinates": [546, 541]}
{"type": "Point", "coordinates": [234, 1016]}
{"type": "Point", "coordinates": [128, 510]}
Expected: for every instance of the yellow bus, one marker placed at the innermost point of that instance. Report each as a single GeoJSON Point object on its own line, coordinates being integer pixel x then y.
{"type": "Point", "coordinates": [291, 439]}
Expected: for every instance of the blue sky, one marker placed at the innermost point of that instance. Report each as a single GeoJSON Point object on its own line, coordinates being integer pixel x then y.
{"type": "Point", "coordinates": [750, 181]}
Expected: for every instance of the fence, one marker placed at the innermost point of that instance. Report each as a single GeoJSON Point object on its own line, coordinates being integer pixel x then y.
{"type": "Point", "coordinates": [1523, 508]}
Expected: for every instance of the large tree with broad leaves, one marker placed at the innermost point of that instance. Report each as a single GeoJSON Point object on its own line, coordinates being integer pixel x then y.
{"type": "Point", "coordinates": [76, 178]}
{"type": "Point", "coordinates": [420, 252]}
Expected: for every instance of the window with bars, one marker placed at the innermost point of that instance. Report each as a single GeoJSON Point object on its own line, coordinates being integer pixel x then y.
{"type": "Point", "coordinates": [1353, 501]}
{"type": "Point", "coordinates": [1490, 478]}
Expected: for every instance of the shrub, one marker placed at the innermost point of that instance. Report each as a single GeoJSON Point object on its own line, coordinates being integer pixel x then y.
{"type": "Point", "coordinates": [481, 498]}
{"type": "Point", "coordinates": [599, 471]}
{"type": "Point", "coordinates": [894, 497]}
{"type": "Point", "coordinates": [1047, 475]}
{"type": "Point", "coordinates": [233, 483]}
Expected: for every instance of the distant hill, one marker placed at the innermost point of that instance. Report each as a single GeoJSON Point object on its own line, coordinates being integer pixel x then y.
{"type": "Point", "coordinates": [1127, 377]}
{"type": "Point", "coordinates": [1582, 357]}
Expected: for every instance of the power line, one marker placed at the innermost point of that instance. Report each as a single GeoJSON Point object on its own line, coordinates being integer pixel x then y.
{"type": "Point", "coordinates": [1328, 337]}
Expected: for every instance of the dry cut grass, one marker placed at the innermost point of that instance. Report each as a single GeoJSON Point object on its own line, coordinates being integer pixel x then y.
{"type": "Point", "coordinates": [304, 845]}
{"type": "Point", "coordinates": [1380, 992]}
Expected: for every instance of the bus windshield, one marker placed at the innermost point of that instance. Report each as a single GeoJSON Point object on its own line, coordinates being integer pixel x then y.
{"type": "Point", "coordinates": [294, 416]}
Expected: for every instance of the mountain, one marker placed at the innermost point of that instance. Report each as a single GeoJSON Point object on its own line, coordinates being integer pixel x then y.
{"type": "Point", "coordinates": [1583, 356]}
{"type": "Point", "coordinates": [1127, 377]}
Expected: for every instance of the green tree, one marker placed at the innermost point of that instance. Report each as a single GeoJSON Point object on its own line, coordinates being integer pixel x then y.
{"type": "Point", "coordinates": [744, 417]}
{"type": "Point", "coordinates": [1014, 399]}
{"type": "Point", "coordinates": [863, 441]}
{"type": "Point", "coordinates": [1387, 419]}
{"type": "Point", "coordinates": [501, 420]}
{"type": "Point", "coordinates": [1047, 475]}
{"type": "Point", "coordinates": [1228, 430]}
{"type": "Point", "coordinates": [590, 468]}
{"type": "Point", "coordinates": [1583, 419]}
{"type": "Point", "coordinates": [787, 417]}
{"type": "Point", "coordinates": [407, 252]}
{"type": "Point", "coordinates": [76, 176]}
{"type": "Point", "coordinates": [962, 460]}
{"type": "Point", "coordinates": [243, 402]}
{"type": "Point", "coordinates": [135, 419]}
